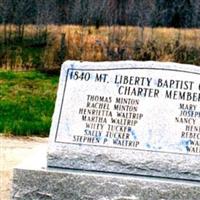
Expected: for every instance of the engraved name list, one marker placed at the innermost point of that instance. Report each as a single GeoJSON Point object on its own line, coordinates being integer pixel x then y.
{"type": "Point", "coordinates": [136, 108]}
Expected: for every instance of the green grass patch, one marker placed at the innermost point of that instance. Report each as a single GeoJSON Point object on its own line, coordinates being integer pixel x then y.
{"type": "Point", "coordinates": [26, 102]}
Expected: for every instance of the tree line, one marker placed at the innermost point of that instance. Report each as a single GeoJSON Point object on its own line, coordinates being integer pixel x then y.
{"type": "Point", "coordinates": [32, 34]}
{"type": "Point", "coordinates": [168, 13]}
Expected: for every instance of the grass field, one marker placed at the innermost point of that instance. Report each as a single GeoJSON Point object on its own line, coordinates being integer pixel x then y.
{"type": "Point", "coordinates": [26, 102]}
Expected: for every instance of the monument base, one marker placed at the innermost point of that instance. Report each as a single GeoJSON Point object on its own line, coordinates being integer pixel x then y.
{"type": "Point", "coordinates": [33, 180]}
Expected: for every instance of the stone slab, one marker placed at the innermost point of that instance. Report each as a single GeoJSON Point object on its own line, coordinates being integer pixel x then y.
{"type": "Point", "coordinates": [36, 181]}
{"type": "Point", "coordinates": [91, 131]}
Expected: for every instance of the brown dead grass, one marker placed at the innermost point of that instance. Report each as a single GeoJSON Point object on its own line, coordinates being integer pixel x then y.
{"type": "Point", "coordinates": [124, 33]}
{"type": "Point", "coordinates": [113, 43]}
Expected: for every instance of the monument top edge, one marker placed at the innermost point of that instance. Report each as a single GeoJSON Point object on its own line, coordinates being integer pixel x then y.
{"type": "Point", "coordinates": [128, 64]}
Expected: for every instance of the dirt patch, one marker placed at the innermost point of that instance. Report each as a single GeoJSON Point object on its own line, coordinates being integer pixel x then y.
{"type": "Point", "coordinates": [13, 150]}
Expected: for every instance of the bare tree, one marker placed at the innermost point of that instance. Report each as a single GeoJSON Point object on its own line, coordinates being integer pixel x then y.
{"type": "Point", "coordinates": [6, 14]}
{"type": "Point", "coordinates": [46, 14]}
{"type": "Point", "coordinates": [23, 13]}
{"type": "Point", "coordinates": [143, 15]}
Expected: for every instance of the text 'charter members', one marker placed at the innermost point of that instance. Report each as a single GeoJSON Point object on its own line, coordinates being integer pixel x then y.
{"type": "Point", "coordinates": [149, 87]}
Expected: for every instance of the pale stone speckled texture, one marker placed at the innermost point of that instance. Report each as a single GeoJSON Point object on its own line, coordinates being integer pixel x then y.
{"type": "Point", "coordinates": [31, 183]}
{"type": "Point", "coordinates": [126, 161]}
{"type": "Point", "coordinates": [65, 154]}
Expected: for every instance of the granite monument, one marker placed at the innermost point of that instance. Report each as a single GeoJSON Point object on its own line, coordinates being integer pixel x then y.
{"type": "Point", "coordinates": [120, 130]}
